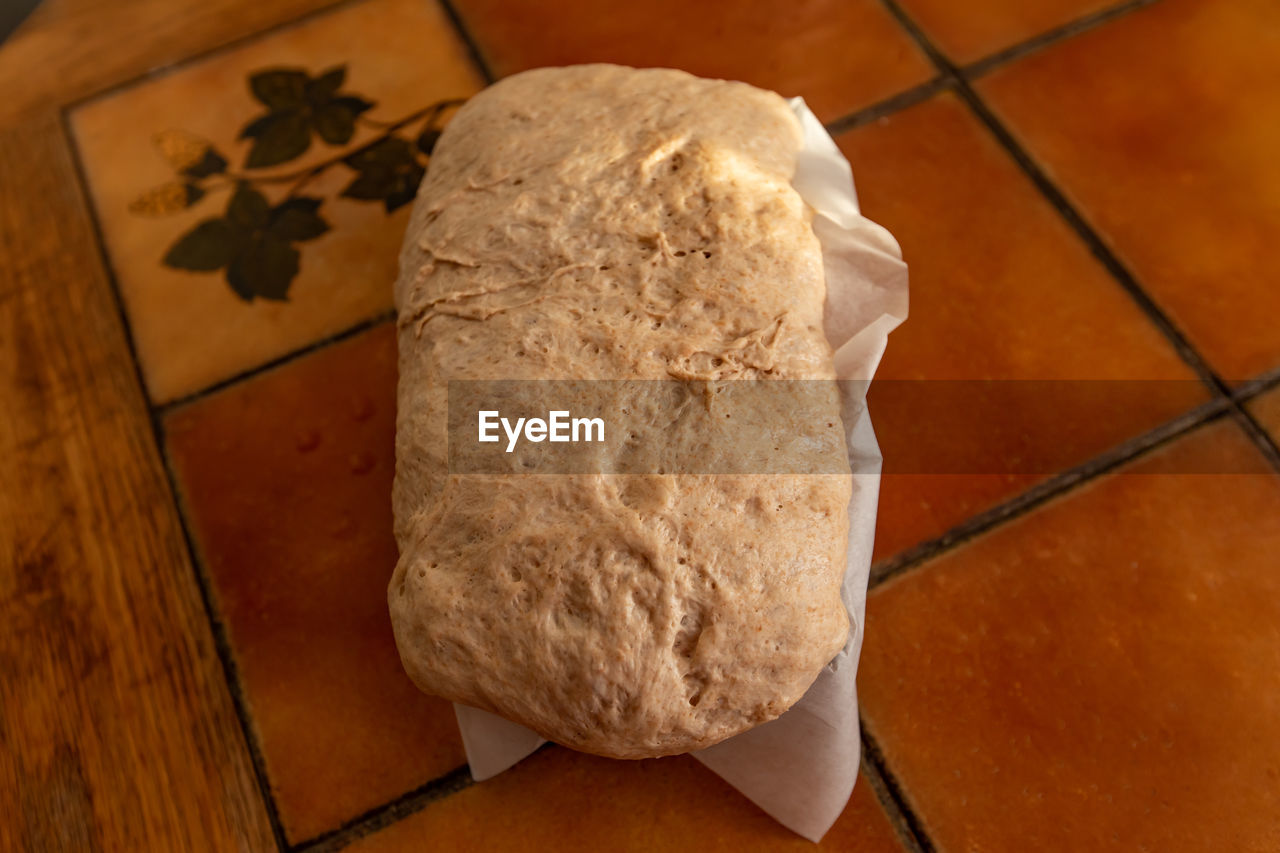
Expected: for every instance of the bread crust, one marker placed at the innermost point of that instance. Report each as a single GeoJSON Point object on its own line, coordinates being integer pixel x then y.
{"type": "Point", "coordinates": [600, 222]}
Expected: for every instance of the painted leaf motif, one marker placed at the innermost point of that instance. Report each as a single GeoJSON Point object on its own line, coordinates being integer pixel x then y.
{"type": "Point", "coordinates": [248, 208]}
{"type": "Point", "coordinates": [257, 126]}
{"type": "Point", "coordinates": [324, 87]}
{"type": "Point", "coordinates": [392, 151]}
{"type": "Point", "coordinates": [299, 105]}
{"type": "Point", "coordinates": [280, 88]}
{"type": "Point", "coordinates": [166, 199]}
{"type": "Point", "coordinates": [265, 268]}
{"type": "Point", "coordinates": [356, 104]}
{"type": "Point", "coordinates": [388, 171]}
{"type": "Point", "coordinates": [298, 219]}
{"type": "Point", "coordinates": [370, 186]}
{"type": "Point", "coordinates": [180, 149]}
{"type": "Point", "coordinates": [335, 120]}
{"type": "Point", "coordinates": [254, 241]}
{"type": "Point", "coordinates": [427, 140]}
{"type": "Point", "coordinates": [335, 123]}
{"type": "Point", "coordinates": [406, 191]}
{"type": "Point", "coordinates": [211, 245]}
{"type": "Point", "coordinates": [212, 163]}
{"type": "Point", "coordinates": [278, 137]}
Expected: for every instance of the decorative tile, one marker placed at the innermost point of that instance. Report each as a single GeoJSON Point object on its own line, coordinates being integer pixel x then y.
{"type": "Point", "coordinates": [1099, 674]}
{"type": "Point", "coordinates": [563, 800]}
{"type": "Point", "coordinates": [1001, 289]}
{"type": "Point", "coordinates": [253, 202]}
{"type": "Point", "coordinates": [286, 483]}
{"type": "Point", "coordinates": [970, 31]}
{"type": "Point", "coordinates": [1163, 128]}
{"type": "Point", "coordinates": [839, 54]}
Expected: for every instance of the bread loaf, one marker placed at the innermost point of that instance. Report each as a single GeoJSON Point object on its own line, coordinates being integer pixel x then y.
{"type": "Point", "coordinates": [599, 222]}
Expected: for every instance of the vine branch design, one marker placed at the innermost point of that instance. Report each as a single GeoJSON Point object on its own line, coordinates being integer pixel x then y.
{"type": "Point", "coordinates": [253, 241]}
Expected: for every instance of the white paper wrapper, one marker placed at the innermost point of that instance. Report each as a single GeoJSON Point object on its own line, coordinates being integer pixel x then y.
{"type": "Point", "coordinates": [801, 767]}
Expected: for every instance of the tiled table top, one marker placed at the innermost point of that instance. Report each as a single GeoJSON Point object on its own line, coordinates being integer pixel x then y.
{"type": "Point", "coordinates": [1078, 651]}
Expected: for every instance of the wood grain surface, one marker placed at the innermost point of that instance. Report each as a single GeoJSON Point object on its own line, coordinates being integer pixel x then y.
{"type": "Point", "coordinates": [117, 731]}
{"type": "Point", "coordinates": [70, 49]}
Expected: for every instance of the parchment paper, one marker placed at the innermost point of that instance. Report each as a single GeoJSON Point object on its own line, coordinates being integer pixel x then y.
{"type": "Point", "coordinates": [801, 767]}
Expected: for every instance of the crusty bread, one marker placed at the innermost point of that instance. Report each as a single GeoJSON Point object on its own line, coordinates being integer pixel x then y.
{"type": "Point", "coordinates": [599, 222]}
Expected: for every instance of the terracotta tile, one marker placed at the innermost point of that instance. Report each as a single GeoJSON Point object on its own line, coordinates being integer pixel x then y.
{"type": "Point", "coordinates": [1266, 408]}
{"type": "Point", "coordinates": [1163, 126]}
{"type": "Point", "coordinates": [1099, 674]}
{"type": "Point", "coordinates": [839, 54]}
{"type": "Point", "coordinates": [1001, 289]}
{"type": "Point", "coordinates": [286, 484]}
{"type": "Point", "coordinates": [970, 31]}
{"type": "Point", "coordinates": [191, 328]}
{"type": "Point", "coordinates": [563, 800]}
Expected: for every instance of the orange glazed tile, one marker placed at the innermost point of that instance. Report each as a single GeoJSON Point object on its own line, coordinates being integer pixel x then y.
{"type": "Point", "coordinates": [286, 484]}
{"type": "Point", "coordinates": [1001, 289]}
{"type": "Point", "coordinates": [967, 32]}
{"type": "Point", "coordinates": [1100, 674]}
{"type": "Point", "coordinates": [564, 801]}
{"type": "Point", "coordinates": [841, 55]}
{"type": "Point", "coordinates": [1163, 127]}
{"type": "Point", "coordinates": [216, 281]}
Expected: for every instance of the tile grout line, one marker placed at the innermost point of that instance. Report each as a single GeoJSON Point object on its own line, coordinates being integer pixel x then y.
{"type": "Point", "coordinates": [1071, 28]}
{"type": "Point", "coordinates": [1257, 433]}
{"type": "Point", "coordinates": [1258, 385]}
{"type": "Point", "coordinates": [1097, 246]}
{"type": "Point", "coordinates": [473, 48]}
{"type": "Point", "coordinates": [1056, 486]}
{"type": "Point", "coordinates": [874, 776]}
{"type": "Point", "coordinates": [222, 641]}
{"type": "Point", "coordinates": [892, 104]}
{"type": "Point", "coordinates": [230, 44]}
{"type": "Point", "coordinates": [216, 629]}
{"type": "Point", "coordinates": [923, 91]}
{"type": "Point", "coordinates": [393, 811]}
{"type": "Point", "coordinates": [1246, 392]}
{"type": "Point", "coordinates": [906, 822]}
{"type": "Point", "coordinates": [364, 325]}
